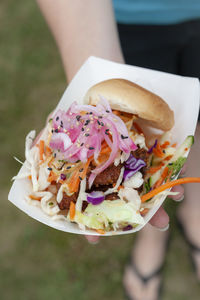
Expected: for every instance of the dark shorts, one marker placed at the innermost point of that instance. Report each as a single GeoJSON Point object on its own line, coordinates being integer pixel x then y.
{"type": "Point", "coordinates": [169, 48]}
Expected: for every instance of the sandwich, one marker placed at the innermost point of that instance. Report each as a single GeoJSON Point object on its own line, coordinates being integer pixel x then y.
{"type": "Point", "coordinates": [94, 164]}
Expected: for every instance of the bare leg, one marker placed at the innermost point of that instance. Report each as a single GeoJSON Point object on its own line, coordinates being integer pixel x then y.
{"type": "Point", "coordinates": [148, 255]}
{"type": "Point", "coordinates": [189, 212]}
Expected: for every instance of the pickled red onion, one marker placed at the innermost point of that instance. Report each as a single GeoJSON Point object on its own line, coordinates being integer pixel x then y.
{"type": "Point", "coordinates": [60, 141]}
{"type": "Point", "coordinates": [87, 127]}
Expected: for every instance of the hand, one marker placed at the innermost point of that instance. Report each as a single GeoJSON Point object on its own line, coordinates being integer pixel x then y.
{"type": "Point", "coordinates": [161, 218]}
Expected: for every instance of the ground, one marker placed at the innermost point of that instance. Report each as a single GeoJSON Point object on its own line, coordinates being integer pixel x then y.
{"type": "Point", "coordinates": [37, 262]}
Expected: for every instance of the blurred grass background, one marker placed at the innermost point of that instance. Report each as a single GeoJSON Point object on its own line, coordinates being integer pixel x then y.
{"type": "Point", "coordinates": [37, 262]}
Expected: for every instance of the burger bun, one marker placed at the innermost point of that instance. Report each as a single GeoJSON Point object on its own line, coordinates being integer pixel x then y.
{"type": "Point", "coordinates": [126, 96]}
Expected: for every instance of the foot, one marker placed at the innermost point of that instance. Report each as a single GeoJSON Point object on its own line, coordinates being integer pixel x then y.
{"type": "Point", "coordinates": [142, 278]}
{"type": "Point", "coordinates": [137, 289]}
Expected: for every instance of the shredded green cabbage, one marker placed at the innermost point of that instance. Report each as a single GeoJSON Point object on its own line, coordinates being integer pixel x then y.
{"type": "Point", "coordinates": [102, 216]}
{"type": "Point", "coordinates": [176, 166]}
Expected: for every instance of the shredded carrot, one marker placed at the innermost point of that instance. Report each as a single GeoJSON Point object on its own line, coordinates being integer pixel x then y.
{"type": "Point", "coordinates": [105, 150]}
{"type": "Point", "coordinates": [186, 149]}
{"type": "Point", "coordinates": [153, 170]}
{"type": "Point", "coordinates": [169, 176]}
{"type": "Point", "coordinates": [30, 177]}
{"type": "Point", "coordinates": [51, 160]}
{"type": "Point", "coordinates": [169, 185]}
{"type": "Point", "coordinates": [168, 157]}
{"type": "Point", "coordinates": [72, 210]}
{"type": "Point", "coordinates": [85, 168]}
{"type": "Point", "coordinates": [174, 145]}
{"type": "Point", "coordinates": [116, 112]}
{"type": "Point", "coordinates": [138, 128]}
{"type": "Point", "coordinates": [158, 153]}
{"type": "Point", "coordinates": [101, 231]}
{"type": "Point", "coordinates": [104, 144]}
{"type": "Point", "coordinates": [144, 211]}
{"type": "Point", "coordinates": [158, 182]}
{"type": "Point", "coordinates": [158, 147]}
{"type": "Point", "coordinates": [162, 178]}
{"type": "Point", "coordinates": [61, 181]}
{"type": "Point", "coordinates": [74, 181]}
{"type": "Point", "coordinates": [165, 173]}
{"type": "Point", "coordinates": [35, 198]}
{"type": "Point", "coordinates": [82, 113]}
{"type": "Point", "coordinates": [101, 159]}
{"type": "Point", "coordinates": [124, 116]}
{"type": "Point", "coordinates": [165, 144]}
{"type": "Point", "coordinates": [52, 177]}
{"type": "Point", "coordinates": [48, 151]}
{"type": "Point", "coordinates": [41, 149]}
{"type": "Point", "coordinates": [120, 187]}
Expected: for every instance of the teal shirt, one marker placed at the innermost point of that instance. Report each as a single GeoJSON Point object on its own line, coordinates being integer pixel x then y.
{"type": "Point", "coordinates": [156, 12]}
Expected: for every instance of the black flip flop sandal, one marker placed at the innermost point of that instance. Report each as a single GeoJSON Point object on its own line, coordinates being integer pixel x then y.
{"type": "Point", "coordinates": [146, 279]}
{"type": "Point", "coordinates": [192, 247]}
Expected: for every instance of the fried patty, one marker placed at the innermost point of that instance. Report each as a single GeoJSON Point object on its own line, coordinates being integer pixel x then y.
{"type": "Point", "coordinates": [142, 154]}
{"type": "Point", "coordinates": [103, 181]}
{"type": "Point", "coordinates": [112, 196]}
{"type": "Point", "coordinates": [65, 202]}
{"type": "Point", "coordinates": [108, 176]}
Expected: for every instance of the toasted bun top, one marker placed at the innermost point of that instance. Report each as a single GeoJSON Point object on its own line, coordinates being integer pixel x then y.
{"type": "Point", "coordinates": [129, 97]}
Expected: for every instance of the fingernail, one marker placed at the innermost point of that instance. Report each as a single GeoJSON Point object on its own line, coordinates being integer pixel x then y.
{"type": "Point", "coordinates": [93, 243]}
{"type": "Point", "coordinates": [179, 199]}
{"type": "Point", "coordinates": [164, 228]}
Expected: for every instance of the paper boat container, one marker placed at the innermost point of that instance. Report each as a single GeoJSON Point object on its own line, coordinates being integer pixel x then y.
{"type": "Point", "coordinates": [181, 93]}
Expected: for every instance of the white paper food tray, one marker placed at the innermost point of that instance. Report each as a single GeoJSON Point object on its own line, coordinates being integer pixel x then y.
{"type": "Point", "coordinates": [181, 93]}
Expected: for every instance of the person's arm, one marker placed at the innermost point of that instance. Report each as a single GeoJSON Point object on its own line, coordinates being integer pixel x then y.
{"type": "Point", "coordinates": [82, 28]}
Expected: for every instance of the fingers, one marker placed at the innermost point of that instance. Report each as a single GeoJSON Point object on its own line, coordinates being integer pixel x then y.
{"type": "Point", "coordinates": [92, 239]}
{"type": "Point", "coordinates": [160, 219]}
{"type": "Point", "coordinates": [180, 195]}
{"type": "Point", "coordinates": [183, 170]}
{"type": "Point", "coordinates": [179, 188]}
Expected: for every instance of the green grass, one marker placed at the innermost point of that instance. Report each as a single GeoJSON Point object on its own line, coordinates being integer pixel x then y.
{"type": "Point", "coordinates": [37, 262]}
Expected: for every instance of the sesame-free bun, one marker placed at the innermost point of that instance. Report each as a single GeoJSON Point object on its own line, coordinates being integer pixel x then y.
{"type": "Point", "coordinates": [129, 97]}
